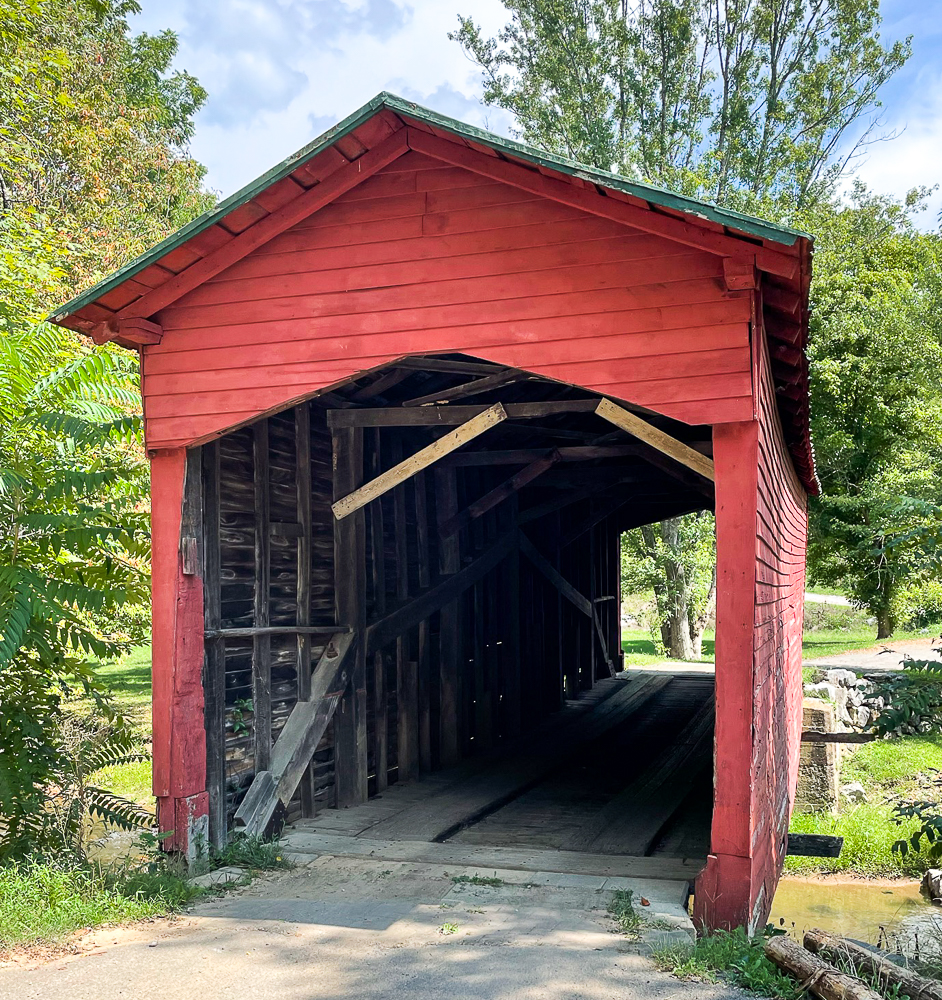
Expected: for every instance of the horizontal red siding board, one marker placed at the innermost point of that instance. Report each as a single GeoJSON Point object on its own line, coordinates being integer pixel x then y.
{"type": "Point", "coordinates": [423, 258]}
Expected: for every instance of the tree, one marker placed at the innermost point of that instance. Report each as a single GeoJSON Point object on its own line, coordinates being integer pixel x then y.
{"type": "Point", "coordinates": [876, 399]}
{"type": "Point", "coordinates": [676, 559]}
{"type": "Point", "coordinates": [759, 105]}
{"type": "Point", "coordinates": [93, 168]}
{"type": "Point", "coordinates": [753, 103]}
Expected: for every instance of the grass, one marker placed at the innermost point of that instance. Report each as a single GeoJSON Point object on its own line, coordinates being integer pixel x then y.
{"type": "Point", "coordinates": [640, 650]}
{"type": "Point", "coordinates": [253, 853]}
{"type": "Point", "coordinates": [494, 883]}
{"type": "Point", "coordinates": [729, 955]}
{"type": "Point", "coordinates": [42, 903]}
{"type": "Point", "coordinates": [624, 914]}
{"type": "Point", "coordinates": [887, 769]}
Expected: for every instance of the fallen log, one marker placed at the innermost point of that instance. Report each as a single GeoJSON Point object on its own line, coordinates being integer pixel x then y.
{"type": "Point", "coordinates": [873, 965]}
{"type": "Point", "coordinates": [815, 974]}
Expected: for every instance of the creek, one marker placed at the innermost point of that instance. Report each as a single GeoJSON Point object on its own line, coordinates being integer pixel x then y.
{"type": "Point", "coordinates": [891, 915]}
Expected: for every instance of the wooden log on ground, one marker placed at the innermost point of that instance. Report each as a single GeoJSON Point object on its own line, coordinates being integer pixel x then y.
{"type": "Point", "coordinates": [872, 964]}
{"type": "Point", "coordinates": [816, 975]}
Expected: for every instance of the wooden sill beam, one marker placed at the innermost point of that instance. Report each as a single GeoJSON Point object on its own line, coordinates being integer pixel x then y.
{"type": "Point", "coordinates": [811, 736]}
{"type": "Point", "coordinates": [243, 633]}
{"type": "Point", "coordinates": [297, 742]}
{"type": "Point", "coordinates": [431, 416]}
{"type": "Point", "coordinates": [500, 493]}
{"type": "Point", "coordinates": [422, 459]}
{"type": "Point", "coordinates": [650, 435]}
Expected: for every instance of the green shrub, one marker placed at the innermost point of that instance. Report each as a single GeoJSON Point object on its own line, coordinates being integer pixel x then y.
{"type": "Point", "coordinates": [919, 605]}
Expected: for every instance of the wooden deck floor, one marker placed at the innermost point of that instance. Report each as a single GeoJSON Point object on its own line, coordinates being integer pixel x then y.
{"type": "Point", "coordinates": [619, 781]}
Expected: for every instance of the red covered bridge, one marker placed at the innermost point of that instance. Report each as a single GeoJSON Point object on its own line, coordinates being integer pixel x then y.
{"type": "Point", "coordinates": [402, 394]}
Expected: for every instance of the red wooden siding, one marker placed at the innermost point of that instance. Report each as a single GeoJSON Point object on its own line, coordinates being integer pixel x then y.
{"type": "Point", "coordinates": [424, 257]}
{"type": "Point", "coordinates": [781, 534]}
{"type": "Point", "coordinates": [761, 535]}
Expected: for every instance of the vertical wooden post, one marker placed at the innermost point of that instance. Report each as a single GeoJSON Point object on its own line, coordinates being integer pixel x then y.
{"type": "Point", "coordinates": [179, 725]}
{"type": "Point", "coordinates": [302, 436]}
{"type": "Point", "coordinates": [424, 650]}
{"type": "Point", "coordinates": [724, 888]}
{"type": "Point", "coordinates": [446, 496]}
{"type": "Point", "coordinates": [214, 667]}
{"type": "Point", "coordinates": [350, 760]}
{"type": "Point", "coordinates": [261, 644]}
{"type": "Point", "coordinates": [378, 567]}
{"type": "Point", "coordinates": [511, 686]}
{"type": "Point", "coordinates": [407, 669]}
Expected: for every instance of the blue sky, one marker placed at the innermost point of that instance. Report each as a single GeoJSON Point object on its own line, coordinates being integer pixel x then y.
{"type": "Point", "coordinates": [279, 72]}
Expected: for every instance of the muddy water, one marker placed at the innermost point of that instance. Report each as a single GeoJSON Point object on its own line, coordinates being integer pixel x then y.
{"type": "Point", "coordinates": [888, 914]}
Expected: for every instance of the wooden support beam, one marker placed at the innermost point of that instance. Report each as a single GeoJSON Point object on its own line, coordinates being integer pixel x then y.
{"type": "Point", "coordinates": [303, 489]}
{"type": "Point", "coordinates": [432, 416]}
{"type": "Point", "coordinates": [524, 456]}
{"type": "Point", "coordinates": [540, 562]}
{"type": "Point", "coordinates": [261, 643]}
{"type": "Point", "coordinates": [132, 331]}
{"type": "Point", "coordinates": [214, 663]}
{"type": "Point", "coordinates": [249, 632]}
{"type": "Point", "coordinates": [811, 736]}
{"type": "Point", "coordinates": [644, 431]}
{"type": "Point", "coordinates": [382, 384]}
{"type": "Point", "coordinates": [407, 680]}
{"type": "Point", "coordinates": [350, 760]}
{"type": "Point", "coordinates": [467, 388]}
{"type": "Point", "coordinates": [422, 459]}
{"type": "Point", "coordinates": [440, 593]}
{"type": "Point", "coordinates": [424, 652]}
{"type": "Point", "coordinates": [500, 493]}
{"type": "Point", "coordinates": [814, 845]}
{"type": "Point", "coordinates": [378, 568]}
{"type": "Point", "coordinates": [449, 627]}
{"type": "Point", "coordinates": [297, 741]}
{"type": "Point", "coordinates": [605, 508]}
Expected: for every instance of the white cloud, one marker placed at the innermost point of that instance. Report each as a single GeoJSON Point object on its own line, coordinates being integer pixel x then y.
{"type": "Point", "coordinates": [911, 159]}
{"type": "Point", "coordinates": [279, 72]}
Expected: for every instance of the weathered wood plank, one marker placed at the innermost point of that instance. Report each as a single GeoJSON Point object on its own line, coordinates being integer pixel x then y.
{"type": "Point", "coordinates": [814, 845]}
{"type": "Point", "coordinates": [424, 657]}
{"type": "Point", "coordinates": [250, 631]}
{"type": "Point", "coordinates": [378, 569]}
{"type": "Point", "coordinates": [350, 751]}
{"type": "Point", "coordinates": [449, 562]}
{"type": "Point", "coordinates": [422, 459]}
{"type": "Point", "coordinates": [514, 859]}
{"type": "Point", "coordinates": [811, 736]}
{"type": "Point", "coordinates": [443, 813]}
{"type": "Point", "coordinates": [656, 438]}
{"type": "Point", "coordinates": [632, 820]}
{"type": "Point", "coordinates": [261, 644]}
{"type": "Point", "coordinates": [214, 665]}
{"type": "Point", "coordinates": [302, 437]}
{"type": "Point", "coordinates": [407, 681]}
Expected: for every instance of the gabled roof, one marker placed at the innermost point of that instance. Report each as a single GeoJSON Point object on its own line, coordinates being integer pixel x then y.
{"type": "Point", "coordinates": [120, 306]}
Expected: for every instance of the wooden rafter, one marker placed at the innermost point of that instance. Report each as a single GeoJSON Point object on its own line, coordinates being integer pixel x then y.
{"type": "Point", "coordinates": [500, 493]}
{"type": "Point", "coordinates": [521, 456]}
{"type": "Point", "coordinates": [467, 388]}
{"type": "Point", "coordinates": [422, 459]}
{"type": "Point", "coordinates": [670, 446]}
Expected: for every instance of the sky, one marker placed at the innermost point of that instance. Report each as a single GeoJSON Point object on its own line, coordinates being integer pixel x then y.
{"type": "Point", "coordinates": [280, 72]}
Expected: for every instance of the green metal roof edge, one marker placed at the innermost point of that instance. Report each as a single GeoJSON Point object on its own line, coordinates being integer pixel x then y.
{"type": "Point", "coordinates": [647, 192]}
